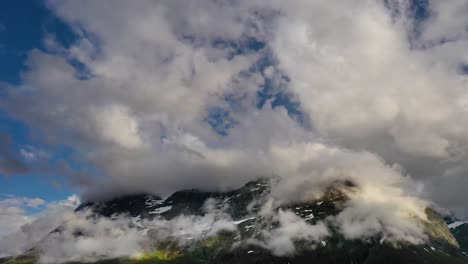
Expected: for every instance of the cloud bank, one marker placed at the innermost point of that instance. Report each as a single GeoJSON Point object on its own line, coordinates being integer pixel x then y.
{"type": "Point", "coordinates": [63, 235]}
{"type": "Point", "coordinates": [157, 96]}
{"type": "Point", "coordinates": [21, 230]}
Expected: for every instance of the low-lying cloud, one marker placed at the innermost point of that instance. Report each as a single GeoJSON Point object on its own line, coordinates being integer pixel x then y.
{"type": "Point", "coordinates": [192, 95]}
{"type": "Point", "coordinates": [21, 230]}
{"type": "Point", "coordinates": [63, 235]}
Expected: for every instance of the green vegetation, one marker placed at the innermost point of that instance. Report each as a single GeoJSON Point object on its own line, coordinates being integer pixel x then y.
{"type": "Point", "coordinates": [437, 229]}
{"type": "Point", "coordinates": [156, 256]}
{"type": "Point", "coordinates": [229, 247]}
{"type": "Point", "coordinates": [23, 260]}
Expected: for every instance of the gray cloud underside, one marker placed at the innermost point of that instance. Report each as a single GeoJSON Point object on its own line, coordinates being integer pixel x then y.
{"type": "Point", "coordinates": [383, 106]}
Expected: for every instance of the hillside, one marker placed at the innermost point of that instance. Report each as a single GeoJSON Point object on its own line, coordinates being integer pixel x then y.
{"type": "Point", "coordinates": [243, 208]}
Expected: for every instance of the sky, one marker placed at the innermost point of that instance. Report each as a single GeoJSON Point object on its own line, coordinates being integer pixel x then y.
{"type": "Point", "coordinates": [22, 26]}
{"type": "Point", "coordinates": [107, 98]}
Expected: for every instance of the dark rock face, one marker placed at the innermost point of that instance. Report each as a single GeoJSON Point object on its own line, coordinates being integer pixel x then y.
{"type": "Point", "coordinates": [441, 248]}
{"type": "Point", "coordinates": [459, 230]}
{"type": "Point", "coordinates": [364, 253]}
{"type": "Point", "coordinates": [132, 205]}
{"type": "Point", "coordinates": [185, 202]}
{"type": "Point", "coordinates": [461, 235]}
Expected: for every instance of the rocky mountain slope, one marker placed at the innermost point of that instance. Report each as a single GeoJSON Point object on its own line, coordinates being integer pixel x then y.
{"type": "Point", "coordinates": [241, 245]}
{"type": "Point", "coordinates": [459, 230]}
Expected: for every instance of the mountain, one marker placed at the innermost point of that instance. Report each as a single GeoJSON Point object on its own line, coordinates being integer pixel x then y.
{"type": "Point", "coordinates": [459, 230]}
{"type": "Point", "coordinates": [243, 208]}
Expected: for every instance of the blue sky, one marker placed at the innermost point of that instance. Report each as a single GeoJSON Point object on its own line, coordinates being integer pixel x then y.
{"type": "Point", "coordinates": [151, 102]}
{"type": "Point", "coordinates": [23, 24]}
{"type": "Point", "coordinates": [123, 97]}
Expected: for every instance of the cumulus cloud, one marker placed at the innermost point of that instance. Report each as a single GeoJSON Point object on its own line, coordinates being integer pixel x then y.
{"type": "Point", "coordinates": [169, 98]}
{"type": "Point", "coordinates": [20, 230]}
{"type": "Point", "coordinates": [61, 235]}
{"type": "Point", "coordinates": [365, 86]}
{"type": "Point", "coordinates": [387, 206]}
{"type": "Point", "coordinates": [293, 229]}
{"type": "Point", "coordinates": [373, 211]}
{"type": "Point", "coordinates": [83, 239]}
{"type": "Point", "coordinates": [12, 219]}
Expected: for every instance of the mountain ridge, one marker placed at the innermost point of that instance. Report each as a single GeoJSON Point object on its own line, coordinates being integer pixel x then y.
{"type": "Point", "coordinates": [247, 243]}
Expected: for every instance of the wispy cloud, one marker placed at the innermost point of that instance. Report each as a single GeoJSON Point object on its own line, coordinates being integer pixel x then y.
{"type": "Point", "coordinates": [383, 104]}
{"type": "Point", "coordinates": [20, 229]}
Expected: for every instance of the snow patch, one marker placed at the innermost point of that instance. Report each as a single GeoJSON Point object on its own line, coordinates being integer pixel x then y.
{"type": "Point", "coordinates": [383, 239]}
{"type": "Point", "coordinates": [456, 224]}
{"type": "Point", "coordinates": [311, 216]}
{"type": "Point", "coordinates": [153, 202]}
{"type": "Point", "coordinates": [243, 220]}
{"type": "Point", "coordinates": [161, 210]}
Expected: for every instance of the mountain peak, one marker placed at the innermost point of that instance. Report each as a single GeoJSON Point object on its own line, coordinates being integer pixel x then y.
{"type": "Point", "coordinates": [248, 226]}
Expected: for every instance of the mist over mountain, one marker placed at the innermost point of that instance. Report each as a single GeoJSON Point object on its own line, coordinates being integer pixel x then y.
{"type": "Point", "coordinates": [246, 225]}
{"type": "Point", "coordinates": [366, 98]}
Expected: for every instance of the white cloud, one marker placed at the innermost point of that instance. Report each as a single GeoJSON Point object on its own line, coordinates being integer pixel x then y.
{"type": "Point", "coordinates": [116, 125]}
{"type": "Point", "coordinates": [28, 155]}
{"type": "Point", "coordinates": [380, 110]}
{"type": "Point", "coordinates": [12, 218]}
{"type": "Point", "coordinates": [365, 87]}
{"type": "Point", "coordinates": [102, 237]}
{"type": "Point", "coordinates": [20, 230]}
{"type": "Point", "coordinates": [293, 229]}
{"type": "Point", "coordinates": [383, 210]}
